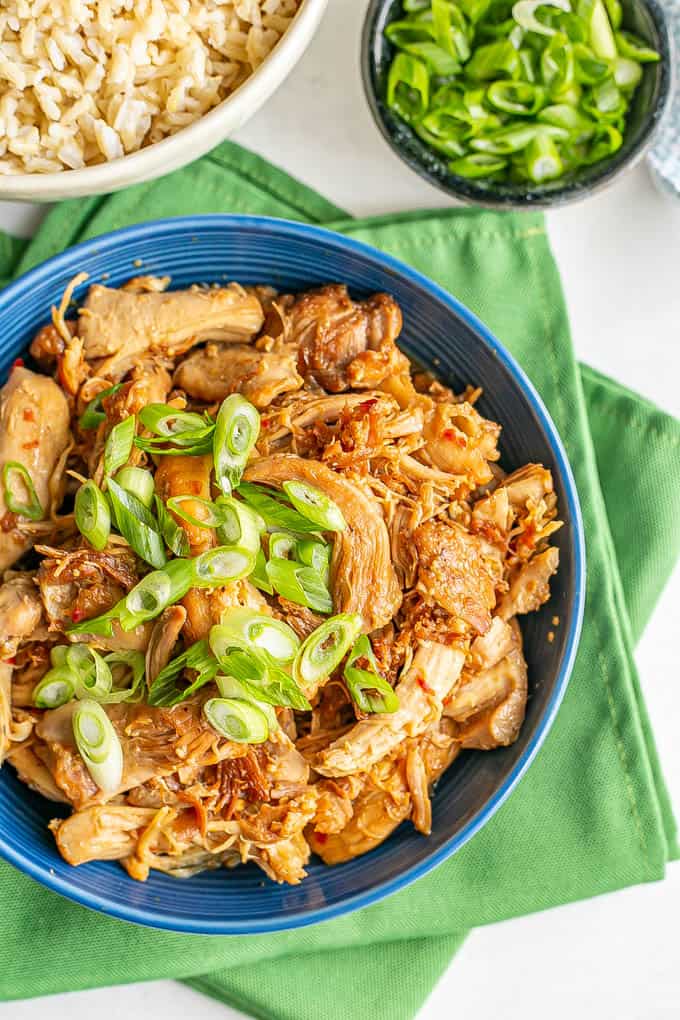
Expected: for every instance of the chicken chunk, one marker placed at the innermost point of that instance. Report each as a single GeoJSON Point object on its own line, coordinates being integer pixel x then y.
{"type": "Point", "coordinates": [34, 432]}
{"type": "Point", "coordinates": [454, 572]}
{"type": "Point", "coordinates": [344, 343]}
{"type": "Point", "coordinates": [530, 585]}
{"type": "Point", "coordinates": [363, 579]}
{"type": "Point", "coordinates": [215, 371]}
{"type": "Point", "coordinates": [100, 833]}
{"type": "Point", "coordinates": [118, 327]}
{"type": "Point", "coordinates": [433, 673]}
{"type": "Point", "coordinates": [20, 616]}
{"type": "Point", "coordinates": [461, 441]}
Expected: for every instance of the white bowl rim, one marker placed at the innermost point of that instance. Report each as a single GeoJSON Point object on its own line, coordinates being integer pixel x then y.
{"type": "Point", "coordinates": [197, 138]}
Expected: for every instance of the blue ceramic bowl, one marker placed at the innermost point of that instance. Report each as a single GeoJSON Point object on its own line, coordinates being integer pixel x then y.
{"type": "Point", "coordinates": [436, 326]}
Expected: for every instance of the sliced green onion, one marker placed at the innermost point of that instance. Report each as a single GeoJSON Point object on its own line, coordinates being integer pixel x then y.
{"type": "Point", "coordinates": [259, 577]}
{"type": "Point", "coordinates": [166, 691]}
{"type": "Point", "coordinates": [627, 73]}
{"type": "Point", "coordinates": [568, 117]}
{"type": "Point", "coordinates": [615, 12]}
{"type": "Point", "coordinates": [322, 652]}
{"type": "Point", "coordinates": [315, 505]}
{"type": "Point", "coordinates": [589, 69]}
{"type": "Point", "coordinates": [137, 525]}
{"type": "Point", "coordinates": [450, 29]}
{"type": "Point", "coordinates": [493, 60]}
{"type": "Point", "coordinates": [188, 446]}
{"type": "Point", "coordinates": [98, 744]}
{"type": "Point", "coordinates": [169, 423]}
{"type": "Point", "coordinates": [133, 671]}
{"type": "Point", "coordinates": [518, 97]}
{"type": "Point", "coordinates": [13, 472]}
{"type": "Point", "coordinates": [92, 514]}
{"type": "Point", "coordinates": [58, 654]}
{"type": "Point", "coordinates": [156, 591]}
{"type": "Point", "coordinates": [408, 87]}
{"type": "Point", "coordinates": [557, 64]}
{"type": "Point", "coordinates": [55, 689]}
{"type": "Point", "coordinates": [262, 631]}
{"type": "Point", "coordinates": [93, 416]}
{"type": "Point", "coordinates": [237, 720]}
{"type": "Point", "coordinates": [230, 687]}
{"type": "Point", "coordinates": [282, 545]}
{"type": "Point", "coordinates": [630, 46]}
{"type": "Point", "coordinates": [438, 61]}
{"type": "Point", "coordinates": [477, 164]}
{"type": "Point", "coordinates": [92, 676]}
{"type": "Point", "coordinates": [220, 565]}
{"type": "Point", "coordinates": [211, 516]}
{"type": "Point", "coordinates": [256, 670]}
{"type": "Point", "coordinates": [606, 141]}
{"type": "Point", "coordinates": [119, 445]}
{"type": "Point", "coordinates": [299, 584]}
{"type": "Point", "coordinates": [274, 509]}
{"type": "Point", "coordinates": [174, 536]}
{"type": "Point", "coordinates": [543, 161]}
{"type": "Point", "coordinates": [602, 40]}
{"type": "Point", "coordinates": [524, 13]}
{"type": "Point", "coordinates": [368, 690]}
{"type": "Point", "coordinates": [138, 482]}
{"type": "Point", "coordinates": [502, 143]}
{"type": "Point", "coordinates": [240, 524]}
{"type": "Point", "coordinates": [316, 555]}
{"type": "Point", "coordinates": [236, 431]}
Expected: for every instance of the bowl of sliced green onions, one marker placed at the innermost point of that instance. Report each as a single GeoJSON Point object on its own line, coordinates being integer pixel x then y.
{"type": "Point", "coordinates": [517, 102]}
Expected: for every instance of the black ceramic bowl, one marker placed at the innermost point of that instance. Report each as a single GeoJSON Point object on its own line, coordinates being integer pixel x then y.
{"type": "Point", "coordinates": [643, 17]}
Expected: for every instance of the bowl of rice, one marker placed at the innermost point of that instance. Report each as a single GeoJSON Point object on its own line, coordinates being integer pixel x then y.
{"type": "Point", "coordinates": [96, 95]}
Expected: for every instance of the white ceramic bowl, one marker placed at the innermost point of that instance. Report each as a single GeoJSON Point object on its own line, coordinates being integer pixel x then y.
{"type": "Point", "coordinates": [188, 144]}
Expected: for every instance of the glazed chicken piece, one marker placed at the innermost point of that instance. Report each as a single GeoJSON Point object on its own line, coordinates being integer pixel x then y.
{"type": "Point", "coordinates": [530, 585]}
{"type": "Point", "coordinates": [164, 635]}
{"type": "Point", "coordinates": [454, 572]}
{"type": "Point", "coordinates": [529, 483]}
{"type": "Point", "coordinates": [461, 441]}
{"type": "Point", "coordinates": [20, 617]}
{"type": "Point", "coordinates": [343, 343]}
{"type": "Point", "coordinates": [102, 833]}
{"type": "Point", "coordinates": [118, 327]}
{"type": "Point", "coordinates": [34, 431]}
{"type": "Point", "coordinates": [490, 706]}
{"type": "Point", "coordinates": [363, 579]}
{"type": "Point", "coordinates": [261, 375]}
{"type": "Point", "coordinates": [432, 675]}
{"type": "Point", "coordinates": [397, 788]}
{"type": "Point", "coordinates": [32, 771]}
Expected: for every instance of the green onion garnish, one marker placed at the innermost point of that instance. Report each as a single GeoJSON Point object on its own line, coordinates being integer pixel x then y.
{"type": "Point", "coordinates": [257, 671]}
{"type": "Point", "coordinates": [259, 577]}
{"type": "Point", "coordinates": [14, 473]}
{"type": "Point", "coordinates": [169, 423]}
{"type": "Point", "coordinates": [316, 555]}
{"type": "Point", "coordinates": [237, 720]}
{"type": "Point", "coordinates": [128, 683]}
{"type": "Point", "coordinates": [369, 691]}
{"type": "Point", "coordinates": [55, 689]}
{"type": "Point", "coordinates": [119, 445]}
{"type": "Point", "coordinates": [156, 591]}
{"type": "Point", "coordinates": [274, 509]}
{"type": "Point", "coordinates": [211, 516]}
{"type": "Point", "coordinates": [230, 687]}
{"type": "Point", "coordinates": [236, 431]}
{"type": "Point", "coordinates": [92, 514]}
{"type": "Point", "coordinates": [282, 545]}
{"type": "Point", "coordinates": [166, 690]}
{"type": "Point", "coordinates": [98, 744]}
{"type": "Point", "coordinates": [322, 652]}
{"type": "Point", "coordinates": [137, 524]}
{"type": "Point", "coordinates": [469, 78]}
{"type": "Point", "coordinates": [93, 416]}
{"type": "Point", "coordinates": [221, 565]}
{"type": "Point", "coordinates": [299, 584]}
{"type": "Point", "coordinates": [174, 536]}
{"type": "Point", "coordinates": [262, 631]}
{"type": "Point", "coordinates": [315, 505]}
{"type": "Point", "coordinates": [92, 676]}
{"type": "Point", "coordinates": [138, 482]}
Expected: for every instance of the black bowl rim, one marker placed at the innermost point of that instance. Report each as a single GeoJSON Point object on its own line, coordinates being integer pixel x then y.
{"type": "Point", "coordinates": [467, 191]}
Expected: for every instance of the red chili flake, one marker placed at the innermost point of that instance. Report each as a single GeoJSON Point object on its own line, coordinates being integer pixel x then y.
{"type": "Point", "coordinates": [321, 837]}
{"type": "Point", "coordinates": [28, 414]}
{"type": "Point", "coordinates": [449, 434]}
{"type": "Point", "coordinates": [366, 405]}
{"type": "Point", "coordinates": [10, 662]}
{"type": "Point", "coordinates": [77, 615]}
{"type": "Point", "coordinates": [265, 422]}
{"type": "Point", "coordinates": [18, 363]}
{"type": "Point", "coordinates": [420, 680]}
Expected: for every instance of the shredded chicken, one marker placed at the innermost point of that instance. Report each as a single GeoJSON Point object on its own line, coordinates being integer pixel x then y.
{"type": "Point", "coordinates": [440, 553]}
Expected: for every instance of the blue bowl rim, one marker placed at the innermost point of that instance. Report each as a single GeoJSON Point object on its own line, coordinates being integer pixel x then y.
{"type": "Point", "coordinates": [216, 222]}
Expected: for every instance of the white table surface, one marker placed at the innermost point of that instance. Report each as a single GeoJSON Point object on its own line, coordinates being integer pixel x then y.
{"type": "Point", "coordinates": [619, 254]}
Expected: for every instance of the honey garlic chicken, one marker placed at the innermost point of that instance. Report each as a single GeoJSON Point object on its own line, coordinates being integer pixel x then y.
{"type": "Point", "coordinates": [262, 579]}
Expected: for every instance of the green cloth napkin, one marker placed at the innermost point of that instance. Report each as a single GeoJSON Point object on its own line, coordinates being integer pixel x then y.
{"type": "Point", "coordinates": [592, 814]}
